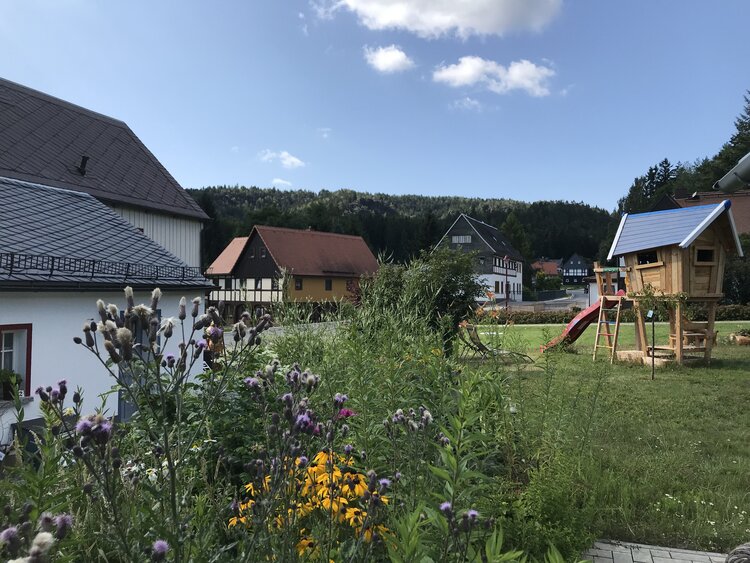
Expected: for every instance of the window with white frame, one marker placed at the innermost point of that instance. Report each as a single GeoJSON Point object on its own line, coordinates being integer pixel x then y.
{"type": "Point", "coordinates": [15, 356]}
{"type": "Point", "coordinates": [461, 239]}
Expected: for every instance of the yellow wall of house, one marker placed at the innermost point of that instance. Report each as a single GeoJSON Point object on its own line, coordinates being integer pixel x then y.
{"type": "Point", "coordinates": [313, 289]}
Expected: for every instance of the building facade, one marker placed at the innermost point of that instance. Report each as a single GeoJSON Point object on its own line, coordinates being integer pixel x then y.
{"type": "Point", "coordinates": [498, 265]}
{"type": "Point", "coordinates": [275, 264]}
{"type": "Point", "coordinates": [575, 270]}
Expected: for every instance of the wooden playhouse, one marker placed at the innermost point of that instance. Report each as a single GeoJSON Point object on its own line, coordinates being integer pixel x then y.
{"type": "Point", "coordinates": [677, 256]}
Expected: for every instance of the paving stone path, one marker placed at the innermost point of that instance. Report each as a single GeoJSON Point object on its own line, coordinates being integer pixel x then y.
{"type": "Point", "coordinates": [624, 552]}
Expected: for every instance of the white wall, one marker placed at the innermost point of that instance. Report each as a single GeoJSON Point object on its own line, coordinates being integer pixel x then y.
{"type": "Point", "coordinates": [514, 277]}
{"type": "Point", "coordinates": [180, 235]}
{"type": "Point", "coordinates": [56, 318]}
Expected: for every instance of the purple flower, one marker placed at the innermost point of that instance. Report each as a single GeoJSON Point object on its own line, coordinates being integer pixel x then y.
{"type": "Point", "coordinates": [63, 523]}
{"type": "Point", "coordinates": [9, 535]}
{"type": "Point", "coordinates": [62, 382]}
{"type": "Point", "coordinates": [472, 514]}
{"type": "Point", "coordinates": [346, 413]}
{"type": "Point", "coordinates": [302, 460]}
{"type": "Point", "coordinates": [339, 400]}
{"type": "Point", "coordinates": [252, 383]}
{"type": "Point", "coordinates": [287, 398]}
{"type": "Point", "coordinates": [446, 508]}
{"type": "Point", "coordinates": [348, 449]}
{"type": "Point", "coordinates": [384, 483]}
{"type": "Point", "coordinates": [303, 421]}
{"type": "Point", "coordinates": [84, 426]}
{"type": "Point", "coordinates": [201, 344]}
{"type": "Point", "coordinates": [55, 395]}
{"type": "Point", "coordinates": [159, 550]}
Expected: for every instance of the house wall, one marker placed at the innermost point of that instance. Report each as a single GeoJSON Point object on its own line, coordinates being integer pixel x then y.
{"type": "Point", "coordinates": [313, 289]}
{"type": "Point", "coordinates": [252, 264]}
{"type": "Point", "coordinates": [496, 284]}
{"type": "Point", "coordinates": [55, 319]}
{"type": "Point", "coordinates": [180, 235]}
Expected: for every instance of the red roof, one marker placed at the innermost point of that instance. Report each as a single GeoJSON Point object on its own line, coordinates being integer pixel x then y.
{"type": "Point", "coordinates": [740, 205]}
{"type": "Point", "coordinates": [225, 262]}
{"type": "Point", "coordinates": [549, 267]}
{"type": "Point", "coordinates": [312, 253]}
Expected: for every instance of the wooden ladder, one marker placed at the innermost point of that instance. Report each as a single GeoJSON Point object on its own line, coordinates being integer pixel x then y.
{"type": "Point", "coordinates": [605, 321]}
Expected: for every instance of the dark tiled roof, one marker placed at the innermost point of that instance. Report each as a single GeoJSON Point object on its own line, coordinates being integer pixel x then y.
{"type": "Point", "coordinates": [312, 253]}
{"type": "Point", "coordinates": [494, 238]}
{"type": "Point", "coordinates": [575, 262]}
{"type": "Point", "coordinates": [42, 139]}
{"type": "Point", "coordinates": [55, 237]}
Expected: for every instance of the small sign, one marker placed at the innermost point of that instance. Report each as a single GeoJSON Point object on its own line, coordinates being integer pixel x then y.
{"type": "Point", "coordinates": [650, 314]}
{"type": "Point", "coordinates": [2, 456]}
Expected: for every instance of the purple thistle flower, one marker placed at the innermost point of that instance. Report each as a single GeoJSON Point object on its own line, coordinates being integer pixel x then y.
{"type": "Point", "coordinates": [201, 344]}
{"type": "Point", "coordinates": [472, 514]}
{"type": "Point", "coordinates": [339, 400]}
{"type": "Point", "coordinates": [159, 550]}
{"type": "Point", "coordinates": [446, 508]}
{"type": "Point", "coordinates": [9, 535]}
{"type": "Point", "coordinates": [287, 398]}
{"type": "Point", "coordinates": [63, 523]}
{"type": "Point", "coordinates": [303, 461]}
{"type": "Point", "coordinates": [252, 383]}
{"type": "Point", "coordinates": [84, 426]}
{"type": "Point", "coordinates": [303, 421]}
{"type": "Point", "coordinates": [385, 483]}
{"type": "Point", "coordinates": [54, 395]}
{"type": "Point", "coordinates": [348, 449]}
{"type": "Point", "coordinates": [345, 413]}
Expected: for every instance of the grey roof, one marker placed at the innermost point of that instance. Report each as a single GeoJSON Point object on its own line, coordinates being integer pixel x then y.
{"type": "Point", "coordinates": [643, 231]}
{"type": "Point", "coordinates": [576, 261]}
{"type": "Point", "coordinates": [42, 139]}
{"type": "Point", "coordinates": [494, 238]}
{"type": "Point", "coordinates": [50, 237]}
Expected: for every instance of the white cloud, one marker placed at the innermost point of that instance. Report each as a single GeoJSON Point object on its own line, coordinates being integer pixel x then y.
{"type": "Point", "coordinates": [278, 182]}
{"type": "Point", "coordinates": [287, 160]}
{"type": "Point", "coordinates": [519, 75]}
{"type": "Point", "coordinates": [434, 18]}
{"type": "Point", "coordinates": [325, 132]}
{"type": "Point", "coordinates": [388, 60]}
{"type": "Point", "coordinates": [468, 104]}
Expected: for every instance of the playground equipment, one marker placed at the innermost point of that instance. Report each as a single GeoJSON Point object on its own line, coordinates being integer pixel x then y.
{"type": "Point", "coordinates": [671, 258]}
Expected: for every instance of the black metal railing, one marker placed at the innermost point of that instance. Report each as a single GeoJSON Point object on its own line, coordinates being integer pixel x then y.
{"type": "Point", "coordinates": [11, 262]}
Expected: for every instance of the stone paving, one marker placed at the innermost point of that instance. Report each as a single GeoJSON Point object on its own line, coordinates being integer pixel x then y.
{"type": "Point", "coordinates": [624, 552]}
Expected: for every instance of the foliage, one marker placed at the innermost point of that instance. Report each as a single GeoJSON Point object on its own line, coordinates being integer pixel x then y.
{"type": "Point", "coordinates": [547, 283]}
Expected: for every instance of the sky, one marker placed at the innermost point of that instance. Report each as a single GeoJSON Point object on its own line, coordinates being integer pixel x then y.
{"type": "Point", "coordinates": [521, 99]}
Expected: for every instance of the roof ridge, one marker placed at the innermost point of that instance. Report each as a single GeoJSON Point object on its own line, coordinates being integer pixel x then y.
{"type": "Point", "coordinates": [60, 101]}
{"type": "Point", "coordinates": [480, 222]}
{"type": "Point", "coordinates": [308, 231]}
{"type": "Point", "coordinates": [37, 185]}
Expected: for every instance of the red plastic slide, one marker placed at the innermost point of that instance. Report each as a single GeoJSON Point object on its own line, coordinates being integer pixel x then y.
{"type": "Point", "coordinates": [575, 327]}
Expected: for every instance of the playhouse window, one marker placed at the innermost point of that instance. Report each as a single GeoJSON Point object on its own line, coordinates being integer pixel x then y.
{"type": "Point", "coordinates": [704, 255]}
{"type": "Point", "coordinates": [647, 257]}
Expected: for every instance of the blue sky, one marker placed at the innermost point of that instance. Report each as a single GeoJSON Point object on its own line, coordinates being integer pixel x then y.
{"type": "Point", "coordinates": [526, 99]}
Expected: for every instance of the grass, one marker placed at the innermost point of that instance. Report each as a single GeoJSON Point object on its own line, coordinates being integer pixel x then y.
{"type": "Point", "coordinates": [671, 457]}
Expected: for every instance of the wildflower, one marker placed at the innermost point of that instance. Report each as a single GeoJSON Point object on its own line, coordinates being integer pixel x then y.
{"type": "Point", "coordinates": [384, 483]}
{"type": "Point", "coordinates": [302, 461]}
{"type": "Point", "coordinates": [63, 524]}
{"type": "Point", "coordinates": [252, 383]}
{"type": "Point", "coordinates": [196, 305]}
{"type": "Point", "coordinates": [345, 413]}
{"type": "Point", "coordinates": [159, 550]}
{"type": "Point", "coordinates": [46, 521]}
{"type": "Point", "coordinates": [155, 297]}
{"type": "Point", "coordinates": [446, 508]}
{"type": "Point", "coordinates": [112, 352]}
{"type": "Point", "coordinates": [102, 310]}
{"type": "Point", "coordinates": [167, 326]}
{"type": "Point", "coordinates": [129, 297]}
{"type": "Point", "coordinates": [77, 397]}
{"type": "Point", "coordinates": [307, 546]}
{"type": "Point", "coordinates": [42, 394]}
{"type": "Point", "coordinates": [348, 449]}
{"type": "Point", "coordinates": [287, 398]}
{"type": "Point", "coordinates": [83, 427]}
{"type": "Point", "coordinates": [355, 517]}
{"type": "Point", "coordinates": [339, 400]}
{"type": "Point", "coordinates": [472, 514]}
{"type": "Point", "coordinates": [42, 542]}
{"type": "Point", "coordinates": [201, 344]}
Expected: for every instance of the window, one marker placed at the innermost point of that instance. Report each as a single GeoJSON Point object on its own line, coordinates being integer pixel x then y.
{"type": "Point", "coordinates": [329, 284]}
{"type": "Point", "coordinates": [647, 258]}
{"type": "Point", "coordinates": [704, 255]}
{"type": "Point", "coordinates": [481, 260]}
{"type": "Point", "coordinates": [263, 252]}
{"type": "Point", "coordinates": [298, 284]}
{"type": "Point", "coordinates": [275, 283]}
{"type": "Point", "coordinates": [258, 283]}
{"type": "Point", "coordinates": [15, 356]}
{"type": "Point", "coordinates": [497, 287]}
{"type": "Point", "coordinates": [461, 239]}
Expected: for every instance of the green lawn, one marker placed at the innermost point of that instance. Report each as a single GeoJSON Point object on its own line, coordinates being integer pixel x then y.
{"type": "Point", "coordinates": [671, 457]}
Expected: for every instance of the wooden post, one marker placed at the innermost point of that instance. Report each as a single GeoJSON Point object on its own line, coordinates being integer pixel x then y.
{"type": "Point", "coordinates": [710, 334]}
{"type": "Point", "coordinates": [640, 329]}
{"type": "Point", "coordinates": [676, 321]}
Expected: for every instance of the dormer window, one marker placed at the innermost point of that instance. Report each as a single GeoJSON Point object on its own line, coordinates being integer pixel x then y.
{"type": "Point", "coordinates": [461, 239]}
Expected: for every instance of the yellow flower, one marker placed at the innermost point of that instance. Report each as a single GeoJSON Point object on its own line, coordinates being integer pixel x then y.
{"type": "Point", "coordinates": [307, 546]}
{"type": "Point", "coordinates": [369, 532]}
{"type": "Point", "coordinates": [355, 517]}
{"type": "Point", "coordinates": [354, 485]}
{"type": "Point", "coordinates": [333, 505]}
{"type": "Point", "coordinates": [237, 520]}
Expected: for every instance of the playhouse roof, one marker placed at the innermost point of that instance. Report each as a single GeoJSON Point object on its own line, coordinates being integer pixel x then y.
{"type": "Point", "coordinates": [642, 231]}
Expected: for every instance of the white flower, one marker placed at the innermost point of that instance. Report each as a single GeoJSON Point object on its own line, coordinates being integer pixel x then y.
{"type": "Point", "coordinates": [43, 541]}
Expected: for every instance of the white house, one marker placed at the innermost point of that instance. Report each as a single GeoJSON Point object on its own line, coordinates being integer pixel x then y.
{"type": "Point", "coordinates": [48, 141]}
{"type": "Point", "coordinates": [60, 251]}
{"type": "Point", "coordinates": [499, 266]}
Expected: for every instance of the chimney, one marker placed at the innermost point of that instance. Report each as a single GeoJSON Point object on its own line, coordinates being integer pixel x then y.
{"type": "Point", "coordinates": [82, 167]}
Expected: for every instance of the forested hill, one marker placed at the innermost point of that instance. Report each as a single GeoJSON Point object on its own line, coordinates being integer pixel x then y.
{"type": "Point", "coordinates": [400, 226]}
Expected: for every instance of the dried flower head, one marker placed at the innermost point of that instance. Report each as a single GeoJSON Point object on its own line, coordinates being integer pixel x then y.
{"type": "Point", "coordinates": [155, 297]}
{"type": "Point", "coordinates": [42, 542]}
{"type": "Point", "coordinates": [182, 309]}
{"type": "Point", "coordinates": [129, 298]}
{"type": "Point", "coordinates": [196, 306]}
